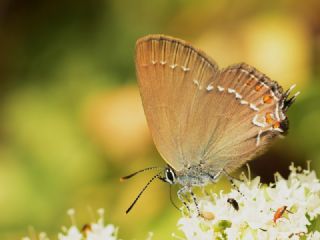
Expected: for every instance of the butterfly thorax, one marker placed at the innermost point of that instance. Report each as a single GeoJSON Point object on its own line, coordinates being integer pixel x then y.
{"type": "Point", "coordinates": [191, 176]}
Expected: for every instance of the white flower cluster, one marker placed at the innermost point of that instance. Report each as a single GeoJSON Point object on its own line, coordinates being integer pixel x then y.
{"type": "Point", "coordinates": [92, 231]}
{"type": "Point", "coordinates": [286, 209]}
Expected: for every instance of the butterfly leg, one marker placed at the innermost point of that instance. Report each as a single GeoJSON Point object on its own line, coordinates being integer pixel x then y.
{"type": "Point", "coordinates": [231, 180]}
{"type": "Point", "coordinates": [195, 200]}
{"type": "Point", "coordinates": [181, 195]}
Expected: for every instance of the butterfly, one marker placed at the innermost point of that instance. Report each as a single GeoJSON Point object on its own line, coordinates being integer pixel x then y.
{"type": "Point", "coordinates": [205, 121]}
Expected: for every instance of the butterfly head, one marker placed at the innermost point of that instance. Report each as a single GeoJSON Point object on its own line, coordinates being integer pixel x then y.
{"type": "Point", "coordinates": [169, 176]}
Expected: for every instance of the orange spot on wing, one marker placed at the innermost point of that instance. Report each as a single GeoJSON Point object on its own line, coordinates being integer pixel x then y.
{"type": "Point", "coordinates": [276, 125]}
{"type": "Point", "coordinates": [269, 118]}
{"type": "Point", "coordinates": [267, 99]}
{"type": "Point", "coordinates": [258, 87]}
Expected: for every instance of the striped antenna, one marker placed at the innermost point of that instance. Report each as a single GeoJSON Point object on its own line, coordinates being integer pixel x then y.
{"type": "Point", "coordinates": [143, 189]}
{"type": "Point", "coordinates": [140, 171]}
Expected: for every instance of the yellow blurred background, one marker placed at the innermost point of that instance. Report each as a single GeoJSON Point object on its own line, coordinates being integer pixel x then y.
{"type": "Point", "coordinates": [71, 119]}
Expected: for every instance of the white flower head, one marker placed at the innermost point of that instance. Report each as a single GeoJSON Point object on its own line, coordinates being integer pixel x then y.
{"type": "Point", "coordinates": [92, 231]}
{"type": "Point", "coordinates": [286, 209]}
{"type": "Point", "coordinates": [72, 233]}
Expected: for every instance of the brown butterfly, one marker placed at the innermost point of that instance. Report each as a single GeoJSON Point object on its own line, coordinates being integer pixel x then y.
{"type": "Point", "coordinates": [205, 121]}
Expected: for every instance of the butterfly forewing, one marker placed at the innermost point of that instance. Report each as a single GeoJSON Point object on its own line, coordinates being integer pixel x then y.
{"type": "Point", "coordinates": [250, 101]}
{"type": "Point", "coordinates": [200, 115]}
{"type": "Point", "coordinates": [170, 73]}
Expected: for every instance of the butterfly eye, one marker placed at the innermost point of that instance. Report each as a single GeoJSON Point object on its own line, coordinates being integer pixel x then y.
{"type": "Point", "coordinates": [170, 176]}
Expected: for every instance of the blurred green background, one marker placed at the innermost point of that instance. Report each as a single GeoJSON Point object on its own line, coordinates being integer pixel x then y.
{"type": "Point", "coordinates": [71, 120]}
